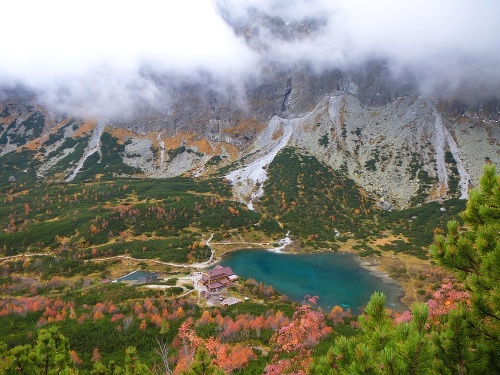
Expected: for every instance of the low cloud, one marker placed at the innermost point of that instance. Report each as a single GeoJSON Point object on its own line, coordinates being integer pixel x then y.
{"type": "Point", "coordinates": [103, 59]}
{"type": "Point", "coordinates": [93, 57]}
{"type": "Point", "coordinates": [447, 45]}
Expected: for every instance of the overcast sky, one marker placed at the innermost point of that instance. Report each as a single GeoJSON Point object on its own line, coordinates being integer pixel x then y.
{"type": "Point", "coordinates": [88, 56]}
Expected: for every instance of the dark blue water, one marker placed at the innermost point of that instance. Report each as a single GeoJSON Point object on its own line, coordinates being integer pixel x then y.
{"type": "Point", "coordinates": [336, 278]}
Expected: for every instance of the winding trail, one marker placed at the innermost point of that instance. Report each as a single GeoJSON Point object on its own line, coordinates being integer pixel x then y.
{"type": "Point", "coordinates": [26, 255]}
{"type": "Point", "coordinates": [200, 265]}
{"type": "Point", "coordinates": [192, 265]}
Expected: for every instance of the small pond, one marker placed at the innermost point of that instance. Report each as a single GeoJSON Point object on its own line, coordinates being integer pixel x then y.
{"type": "Point", "coordinates": [336, 278]}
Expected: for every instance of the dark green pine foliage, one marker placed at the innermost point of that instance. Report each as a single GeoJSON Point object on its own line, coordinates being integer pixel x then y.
{"type": "Point", "coordinates": [312, 200]}
{"type": "Point", "coordinates": [49, 356]}
{"type": "Point", "coordinates": [474, 254]}
{"type": "Point", "coordinates": [455, 345]}
{"type": "Point", "coordinates": [202, 364]}
{"type": "Point", "coordinates": [382, 347]}
{"type": "Point", "coordinates": [132, 366]}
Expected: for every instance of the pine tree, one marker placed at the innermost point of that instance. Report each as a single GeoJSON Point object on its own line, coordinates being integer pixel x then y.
{"type": "Point", "coordinates": [474, 253]}
{"type": "Point", "coordinates": [132, 364]}
{"type": "Point", "coordinates": [202, 364]}
{"type": "Point", "coordinates": [382, 347]}
{"type": "Point", "coordinates": [49, 356]}
{"type": "Point", "coordinates": [51, 352]}
{"type": "Point", "coordinates": [455, 345]}
{"type": "Point", "coordinates": [18, 361]}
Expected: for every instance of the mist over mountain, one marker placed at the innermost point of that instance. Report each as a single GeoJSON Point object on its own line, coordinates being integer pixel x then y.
{"type": "Point", "coordinates": [119, 60]}
{"type": "Point", "coordinates": [402, 98]}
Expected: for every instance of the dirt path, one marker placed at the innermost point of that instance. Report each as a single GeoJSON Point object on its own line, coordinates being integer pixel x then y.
{"type": "Point", "coordinates": [27, 255]}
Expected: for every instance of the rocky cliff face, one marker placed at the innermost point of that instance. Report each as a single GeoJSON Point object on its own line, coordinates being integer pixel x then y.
{"type": "Point", "coordinates": [405, 152]}
{"type": "Point", "coordinates": [287, 92]}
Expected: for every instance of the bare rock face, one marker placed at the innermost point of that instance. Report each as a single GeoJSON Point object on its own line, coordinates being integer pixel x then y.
{"type": "Point", "coordinates": [406, 153]}
{"type": "Point", "coordinates": [402, 147]}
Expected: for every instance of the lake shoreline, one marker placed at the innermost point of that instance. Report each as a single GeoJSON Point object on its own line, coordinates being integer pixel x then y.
{"type": "Point", "coordinates": [371, 267]}
{"type": "Point", "coordinates": [377, 265]}
{"type": "Point", "coordinates": [336, 284]}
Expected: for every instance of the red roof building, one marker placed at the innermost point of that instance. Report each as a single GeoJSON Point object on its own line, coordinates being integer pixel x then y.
{"type": "Point", "coordinates": [218, 277]}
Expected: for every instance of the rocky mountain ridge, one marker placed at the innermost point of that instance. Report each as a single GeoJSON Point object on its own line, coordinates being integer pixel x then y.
{"type": "Point", "coordinates": [405, 153]}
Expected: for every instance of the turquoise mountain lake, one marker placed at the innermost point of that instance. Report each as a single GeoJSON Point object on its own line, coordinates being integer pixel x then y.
{"type": "Point", "coordinates": [336, 278]}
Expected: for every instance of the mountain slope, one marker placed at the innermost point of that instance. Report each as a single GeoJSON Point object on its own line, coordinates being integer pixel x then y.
{"type": "Point", "coordinates": [407, 152]}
